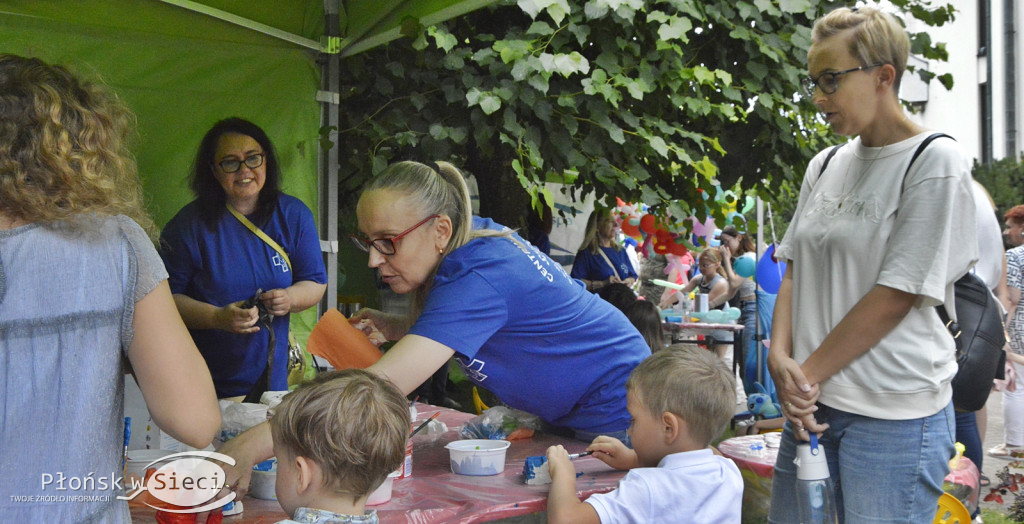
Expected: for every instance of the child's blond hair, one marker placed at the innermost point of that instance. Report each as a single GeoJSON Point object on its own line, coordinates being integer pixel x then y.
{"type": "Point", "coordinates": [689, 382]}
{"type": "Point", "coordinates": [352, 423]}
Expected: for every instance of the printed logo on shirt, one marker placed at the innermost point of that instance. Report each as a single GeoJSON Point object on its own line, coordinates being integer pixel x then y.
{"type": "Point", "coordinates": [473, 370]}
{"type": "Point", "coordinates": [848, 205]}
{"type": "Point", "coordinates": [279, 262]}
{"type": "Point", "coordinates": [540, 261]}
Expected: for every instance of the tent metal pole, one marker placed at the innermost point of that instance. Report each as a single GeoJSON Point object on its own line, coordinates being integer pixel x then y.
{"type": "Point", "coordinates": [247, 23]}
{"type": "Point", "coordinates": [329, 163]}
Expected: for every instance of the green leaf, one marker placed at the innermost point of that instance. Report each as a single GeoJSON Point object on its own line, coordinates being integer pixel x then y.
{"type": "Point", "coordinates": [540, 28]}
{"type": "Point", "coordinates": [438, 132]}
{"type": "Point", "coordinates": [795, 6]}
{"type": "Point", "coordinates": [658, 144]}
{"type": "Point", "coordinates": [676, 28]}
{"type": "Point", "coordinates": [946, 80]}
{"type": "Point", "coordinates": [615, 132]}
{"type": "Point", "coordinates": [489, 104]}
{"type": "Point", "coordinates": [473, 96]}
{"type": "Point", "coordinates": [704, 75]}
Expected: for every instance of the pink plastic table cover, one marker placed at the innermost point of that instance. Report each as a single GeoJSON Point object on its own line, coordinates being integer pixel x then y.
{"type": "Point", "coordinates": [434, 494]}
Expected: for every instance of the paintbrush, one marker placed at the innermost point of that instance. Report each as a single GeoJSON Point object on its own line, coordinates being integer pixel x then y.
{"type": "Point", "coordinates": [424, 424]}
{"type": "Point", "coordinates": [535, 471]}
{"type": "Point", "coordinates": [127, 438]}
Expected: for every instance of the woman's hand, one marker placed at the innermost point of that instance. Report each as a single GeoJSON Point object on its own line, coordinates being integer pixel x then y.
{"type": "Point", "coordinates": [248, 449]}
{"type": "Point", "coordinates": [797, 396]}
{"type": "Point", "coordinates": [234, 319]}
{"type": "Point", "coordinates": [613, 452]}
{"type": "Point", "coordinates": [380, 327]}
{"type": "Point", "coordinates": [277, 301]}
{"type": "Point", "coordinates": [726, 255]}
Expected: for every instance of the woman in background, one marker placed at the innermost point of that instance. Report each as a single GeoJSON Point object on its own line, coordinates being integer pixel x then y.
{"type": "Point", "coordinates": [81, 289]}
{"type": "Point", "coordinates": [742, 290]}
{"type": "Point", "coordinates": [601, 260]}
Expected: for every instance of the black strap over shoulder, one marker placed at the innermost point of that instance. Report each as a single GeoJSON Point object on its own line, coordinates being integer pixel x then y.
{"type": "Point", "coordinates": [920, 149]}
{"type": "Point", "coordinates": [832, 152]}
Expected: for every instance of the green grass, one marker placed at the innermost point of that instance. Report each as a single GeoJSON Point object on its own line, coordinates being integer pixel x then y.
{"type": "Point", "coordinates": [994, 517]}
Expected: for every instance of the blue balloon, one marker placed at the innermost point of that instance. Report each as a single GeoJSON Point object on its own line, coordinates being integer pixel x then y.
{"type": "Point", "coordinates": [769, 272]}
{"type": "Point", "coordinates": [745, 266]}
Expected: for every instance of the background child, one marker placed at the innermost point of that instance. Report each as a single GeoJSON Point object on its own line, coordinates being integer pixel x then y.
{"type": "Point", "coordinates": [680, 399]}
{"type": "Point", "coordinates": [336, 438]}
{"type": "Point", "coordinates": [646, 318]}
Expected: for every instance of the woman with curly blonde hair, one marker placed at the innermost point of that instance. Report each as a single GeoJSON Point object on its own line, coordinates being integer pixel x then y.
{"type": "Point", "coordinates": [81, 288]}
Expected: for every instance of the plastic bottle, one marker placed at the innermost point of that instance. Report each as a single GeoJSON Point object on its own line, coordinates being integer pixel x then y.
{"type": "Point", "coordinates": [815, 493]}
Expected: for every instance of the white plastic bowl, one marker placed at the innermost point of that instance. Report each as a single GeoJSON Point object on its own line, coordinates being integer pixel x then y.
{"type": "Point", "coordinates": [477, 457]}
{"type": "Point", "coordinates": [383, 492]}
{"type": "Point", "coordinates": [263, 483]}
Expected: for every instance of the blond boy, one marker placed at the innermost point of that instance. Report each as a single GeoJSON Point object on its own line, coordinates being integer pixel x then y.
{"type": "Point", "coordinates": [680, 400]}
{"type": "Point", "coordinates": [336, 439]}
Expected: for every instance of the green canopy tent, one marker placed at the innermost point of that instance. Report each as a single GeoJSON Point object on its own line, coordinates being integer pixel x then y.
{"type": "Point", "coordinates": [182, 65]}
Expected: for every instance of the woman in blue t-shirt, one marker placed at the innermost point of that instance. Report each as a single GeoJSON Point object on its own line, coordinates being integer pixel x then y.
{"type": "Point", "coordinates": [515, 321]}
{"type": "Point", "coordinates": [601, 260]}
{"type": "Point", "coordinates": [217, 261]}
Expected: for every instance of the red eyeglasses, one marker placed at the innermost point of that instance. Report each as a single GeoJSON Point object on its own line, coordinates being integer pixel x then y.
{"type": "Point", "coordinates": [386, 246]}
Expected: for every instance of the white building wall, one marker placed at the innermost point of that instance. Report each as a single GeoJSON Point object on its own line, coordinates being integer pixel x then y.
{"type": "Point", "coordinates": [959, 111]}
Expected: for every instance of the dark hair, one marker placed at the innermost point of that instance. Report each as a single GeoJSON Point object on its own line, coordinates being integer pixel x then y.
{"type": "Point", "coordinates": [746, 246]}
{"type": "Point", "coordinates": [646, 318]}
{"type": "Point", "coordinates": [202, 182]}
{"type": "Point", "coordinates": [618, 294]}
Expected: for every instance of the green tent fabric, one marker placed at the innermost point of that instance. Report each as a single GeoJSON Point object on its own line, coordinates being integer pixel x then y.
{"type": "Point", "coordinates": [181, 70]}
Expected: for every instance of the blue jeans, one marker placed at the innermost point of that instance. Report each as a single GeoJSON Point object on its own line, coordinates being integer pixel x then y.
{"type": "Point", "coordinates": [883, 470]}
{"type": "Point", "coordinates": [967, 434]}
{"type": "Point", "coordinates": [748, 317]}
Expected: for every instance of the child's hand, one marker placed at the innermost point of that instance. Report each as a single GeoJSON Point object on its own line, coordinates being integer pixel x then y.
{"type": "Point", "coordinates": [613, 452]}
{"type": "Point", "coordinates": [559, 463]}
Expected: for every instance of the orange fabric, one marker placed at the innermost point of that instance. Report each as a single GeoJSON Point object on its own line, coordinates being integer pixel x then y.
{"type": "Point", "coordinates": [344, 346]}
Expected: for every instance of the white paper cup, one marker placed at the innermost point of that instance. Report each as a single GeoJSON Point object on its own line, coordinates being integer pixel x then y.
{"type": "Point", "coordinates": [383, 492]}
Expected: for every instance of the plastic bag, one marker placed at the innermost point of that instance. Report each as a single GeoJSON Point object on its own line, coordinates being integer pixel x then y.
{"type": "Point", "coordinates": [500, 423]}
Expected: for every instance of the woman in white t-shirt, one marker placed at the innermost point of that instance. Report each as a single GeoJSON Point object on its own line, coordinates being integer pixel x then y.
{"type": "Point", "coordinates": [858, 353]}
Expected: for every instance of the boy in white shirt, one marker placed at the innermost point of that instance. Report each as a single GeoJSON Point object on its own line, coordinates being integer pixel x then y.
{"type": "Point", "coordinates": [680, 399]}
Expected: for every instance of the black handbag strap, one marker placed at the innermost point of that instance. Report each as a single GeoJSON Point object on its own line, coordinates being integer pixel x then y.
{"type": "Point", "coordinates": [951, 325]}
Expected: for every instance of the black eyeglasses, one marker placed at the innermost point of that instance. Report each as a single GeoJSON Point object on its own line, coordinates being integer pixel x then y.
{"type": "Point", "coordinates": [829, 82]}
{"type": "Point", "coordinates": [386, 246]}
{"type": "Point", "coordinates": [232, 165]}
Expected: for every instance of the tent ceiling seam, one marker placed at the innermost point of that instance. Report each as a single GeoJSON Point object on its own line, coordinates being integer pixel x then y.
{"type": "Point", "coordinates": [249, 24]}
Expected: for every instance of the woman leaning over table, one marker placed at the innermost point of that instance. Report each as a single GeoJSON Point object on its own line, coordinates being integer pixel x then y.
{"type": "Point", "coordinates": [601, 260]}
{"type": "Point", "coordinates": [858, 353]}
{"type": "Point", "coordinates": [515, 322]}
{"type": "Point", "coordinates": [216, 262]}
